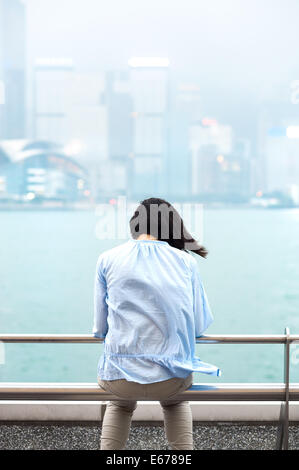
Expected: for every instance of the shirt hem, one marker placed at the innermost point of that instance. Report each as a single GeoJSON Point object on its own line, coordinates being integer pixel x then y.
{"type": "Point", "coordinates": [173, 367]}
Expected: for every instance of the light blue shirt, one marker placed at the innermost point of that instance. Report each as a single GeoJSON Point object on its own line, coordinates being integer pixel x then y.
{"type": "Point", "coordinates": [150, 305]}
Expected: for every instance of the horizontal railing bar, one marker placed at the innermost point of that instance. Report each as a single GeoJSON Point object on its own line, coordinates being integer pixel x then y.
{"type": "Point", "coordinates": [209, 339]}
{"type": "Point", "coordinates": [49, 338]}
{"type": "Point", "coordinates": [197, 392]}
{"type": "Point", "coordinates": [247, 339]}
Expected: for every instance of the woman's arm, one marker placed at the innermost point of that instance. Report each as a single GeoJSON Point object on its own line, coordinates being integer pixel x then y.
{"type": "Point", "coordinates": [202, 313]}
{"type": "Point", "coordinates": [100, 325]}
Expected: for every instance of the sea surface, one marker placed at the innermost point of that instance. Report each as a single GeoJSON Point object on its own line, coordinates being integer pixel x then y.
{"type": "Point", "coordinates": [47, 266]}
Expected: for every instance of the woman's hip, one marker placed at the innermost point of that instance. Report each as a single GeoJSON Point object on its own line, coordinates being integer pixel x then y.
{"type": "Point", "coordinates": [162, 390]}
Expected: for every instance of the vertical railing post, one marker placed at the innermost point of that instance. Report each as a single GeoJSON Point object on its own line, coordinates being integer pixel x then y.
{"type": "Point", "coordinates": [282, 442]}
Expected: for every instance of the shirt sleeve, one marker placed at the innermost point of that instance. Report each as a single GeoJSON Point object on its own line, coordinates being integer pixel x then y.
{"type": "Point", "coordinates": [202, 313]}
{"type": "Point", "coordinates": [100, 325]}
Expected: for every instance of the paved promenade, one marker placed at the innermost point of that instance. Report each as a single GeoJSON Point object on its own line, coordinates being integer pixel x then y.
{"type": "Point", "coordinates": [143, 436]}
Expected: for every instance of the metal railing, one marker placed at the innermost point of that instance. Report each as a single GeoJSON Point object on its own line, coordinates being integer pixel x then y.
{"type": "Point", "coordinates": [284, 392]}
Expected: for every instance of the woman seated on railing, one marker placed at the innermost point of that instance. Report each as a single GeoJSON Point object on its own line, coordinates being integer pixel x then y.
{"type": "Point", "coordinates": [150, 305]}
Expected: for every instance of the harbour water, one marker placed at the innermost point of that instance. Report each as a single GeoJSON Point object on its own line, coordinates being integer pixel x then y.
{"type": "Point", "coordinates": [47, 265]}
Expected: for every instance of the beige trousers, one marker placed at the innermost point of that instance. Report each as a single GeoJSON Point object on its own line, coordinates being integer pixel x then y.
{"type": "Point", "coordinates": [118, 415]}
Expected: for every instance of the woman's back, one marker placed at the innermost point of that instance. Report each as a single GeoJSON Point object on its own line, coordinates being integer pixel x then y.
{"type": "Point", "coordinates": [149, 305]}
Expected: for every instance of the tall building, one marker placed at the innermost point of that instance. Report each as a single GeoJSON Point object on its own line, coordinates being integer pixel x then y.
{"type": "Point", "coordinates": [87, 127]}
{"type": "Point", "coordinates": [282, 159]}
{"type": "Point", "coordinates": [68, 110]}
{"type": "Point", "coordinates": [149, 81]}
{"type": "Point", "coordinates": [119, 107]}
{"type": "Point", "coordinates": [278, 148]}
{"type": "Point", "coordinates": [52, 85]}
{"type": "Point", "coordinates": [119, 103]}
{"type": "Point", "coordinates": [210, 144]}
{"type": "Point", "coordinates": [12, 69]}
{"type": "Point", "coordinates": [2, 84]}
{"type": "Point", "coordinates": [185, 110]}
{"type": "Point", "coordinates": [221, 164]}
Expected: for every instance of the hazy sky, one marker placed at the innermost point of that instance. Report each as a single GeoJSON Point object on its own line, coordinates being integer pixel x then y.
{"type": "Point", "coordinates": [240, 50]}
{"type": "Point", "coordinates": [192, 33]}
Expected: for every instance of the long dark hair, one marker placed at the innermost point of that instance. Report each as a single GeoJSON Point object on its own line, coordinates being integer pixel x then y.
{"type": "Point", "coordinates": [157, 217]}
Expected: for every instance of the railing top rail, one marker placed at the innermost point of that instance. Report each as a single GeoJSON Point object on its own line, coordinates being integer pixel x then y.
{"type": "Point", "coordinates": [197, 386]}
{"type": "Point", "coordinates": [85, 338]}
{"type": "Point", "coordinates": [92, 392]}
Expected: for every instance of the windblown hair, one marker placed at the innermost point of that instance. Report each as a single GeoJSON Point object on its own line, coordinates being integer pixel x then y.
{"type": "Point", "coordinates": [157, 217]}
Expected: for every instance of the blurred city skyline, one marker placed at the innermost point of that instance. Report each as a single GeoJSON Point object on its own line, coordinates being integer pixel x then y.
{"type": "Point", "coordinates": [241, 52]}
{"type": "Point", "coordinates": [218, 122]}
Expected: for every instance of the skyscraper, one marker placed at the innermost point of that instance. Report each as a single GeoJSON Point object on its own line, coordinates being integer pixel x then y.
{"type": "Point", "coordinates": [2, 86]}
{"type": "Point", "coordinates": [279, 149]}
{"type": "Point", "coordinates": [282, 159]}
{"type": "Point", "coordinates": [52, 85]}
{"type": "Point", "coordinates": [185, 110]}
{"type": "Point", "coordinates": [118, 103]}
{"type": "Point", "coordinates": [210, 143]}
{"type": "Point", "coordinates": [149, 82]}
{"type": "Point", "coordinates": [12, 68]}
{"type": "Point", "coordinates": [67, 110]}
